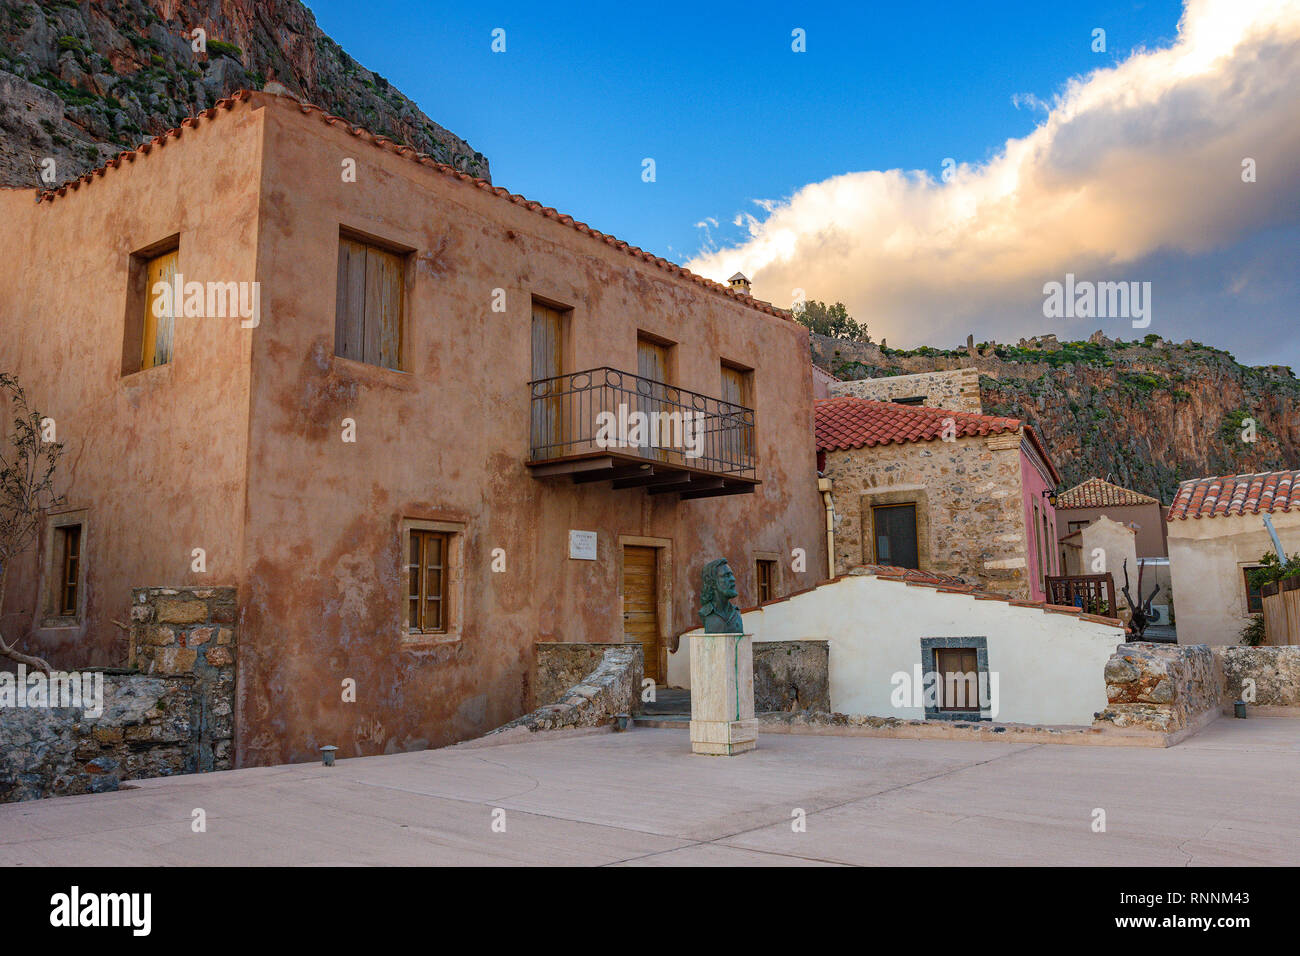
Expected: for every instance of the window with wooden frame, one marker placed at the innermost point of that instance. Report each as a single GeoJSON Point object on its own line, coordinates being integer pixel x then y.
{"type": "Point", "coordinates": [1254, 595]}
{"type": "Point", "coordinates": [766, 576]}
{"type": "Point", "coordinates": [158, 323]}
{"type": "Point", "coordinates": [894, 528]}
{"type": "Point", "coordinates": [68, 538]}
{"type": "Point", "coordinates": [369, 303]}
{"type": "Point", "coordinates": [62, 597]}
{"type": "Point", "coordinates": [427, 575]}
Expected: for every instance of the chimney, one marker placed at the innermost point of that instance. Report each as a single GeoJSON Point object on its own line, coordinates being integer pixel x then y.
{"type": "Point", "coordinates": [739, 283]}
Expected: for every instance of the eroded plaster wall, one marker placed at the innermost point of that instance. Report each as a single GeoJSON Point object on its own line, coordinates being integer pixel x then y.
{"type": "Point", "coordinates": [1206, 558]}
{"type": "Point", "coordinates": [446, 440]}
{"type": "Point", "coordinates": [155, 459]}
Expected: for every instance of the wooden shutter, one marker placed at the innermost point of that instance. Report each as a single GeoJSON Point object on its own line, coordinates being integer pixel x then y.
{"type": "Point", "coordinates": [737, 440]}
{"type": "Point", "coordinates": [368, 304]}
{"type": "Point", "coordinates": [548, 363]}
{"type": "Point", "coordinates": [652, 364]}
{"type": "Point", "coordinates": [156, 345]}
{"type": "Point", "coordinates": [350, 304]}
{"type": "Point", "coordinates": [959, 694]}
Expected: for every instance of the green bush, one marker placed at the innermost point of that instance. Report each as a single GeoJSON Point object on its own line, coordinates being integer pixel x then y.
{"type": "Point", "coordinates": [221, 48]}
{"type": "Point", "coordinates": [1252, 633]}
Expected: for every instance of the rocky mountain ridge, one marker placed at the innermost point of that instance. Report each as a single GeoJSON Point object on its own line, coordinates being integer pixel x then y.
{"type": "Point", "coordinates": [80, 82]}
{"type": "Point", "coordinates": [1146, 414]}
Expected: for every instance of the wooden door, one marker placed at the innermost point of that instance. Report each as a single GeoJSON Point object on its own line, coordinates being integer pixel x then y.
{"type": "Point", "coordinates": [641, 605]}
{"type": "Point", "coordinates": [548, 363]}
{"type": "Point", "coordinates": [652, 364]}
{"type": "Point", "coordinates": [957, 689]}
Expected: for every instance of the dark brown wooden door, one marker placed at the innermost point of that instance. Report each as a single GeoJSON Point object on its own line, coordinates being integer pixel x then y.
{"type": "Point", "coordinates": [641, 605]}
{"type": "Point", "coordinates": [959, 692]}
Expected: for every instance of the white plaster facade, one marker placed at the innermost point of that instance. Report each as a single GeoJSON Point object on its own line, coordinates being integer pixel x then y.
{"type": "Point", "coordinates": [1048, 665]}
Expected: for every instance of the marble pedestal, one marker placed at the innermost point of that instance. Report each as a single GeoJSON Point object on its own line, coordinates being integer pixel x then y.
{"type": "Point", "coordinates": [722, 694]}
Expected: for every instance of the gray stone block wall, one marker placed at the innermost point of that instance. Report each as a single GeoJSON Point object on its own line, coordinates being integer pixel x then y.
{"type": "Point", "coordinates": [172, 713]}
{"type": "Point", "coordinates": [1275, 672]}
{"type": "Point", "coordinates": [792, 676]}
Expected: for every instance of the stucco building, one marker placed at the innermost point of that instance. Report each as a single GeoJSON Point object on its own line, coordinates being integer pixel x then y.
{"type": "Point", "coordinates": [1216, 535]}
{"type": "Point", "coordinates": [1094, 498]}
{"type": "Point", "coordinates": [407, 433]}
{"type": "Point", "coordinates": [952, 492]}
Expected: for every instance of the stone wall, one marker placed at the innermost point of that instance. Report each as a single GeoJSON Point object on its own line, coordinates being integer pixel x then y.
{"type": "Point", "coordinates": [969, 509]}
{"type": "Point", "coordinates": [173, 714]}
{"type": "Point", "coordinates": [1274, 670]}
{"type": "Point", "coordinates": [957, 390]}
{"type": "Point", "coordinates": [559, 665]}
{"type": "Point", "coordinates": [792, 676]}
{"type": "Point", "coordinates": [1170, 688]}
{"type": "Point", "coordinates": [612, 688]}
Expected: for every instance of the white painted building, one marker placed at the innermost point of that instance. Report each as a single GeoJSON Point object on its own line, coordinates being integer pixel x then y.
{"type": "Point", "coordinates": [1039, 665]}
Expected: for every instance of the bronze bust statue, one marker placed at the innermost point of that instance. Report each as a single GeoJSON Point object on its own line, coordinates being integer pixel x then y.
{"type": "Point", "coordinates": [717, 588]}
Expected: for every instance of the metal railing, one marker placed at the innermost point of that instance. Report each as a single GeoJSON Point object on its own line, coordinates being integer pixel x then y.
{"type": "Point", "coordinates": [608, 410]}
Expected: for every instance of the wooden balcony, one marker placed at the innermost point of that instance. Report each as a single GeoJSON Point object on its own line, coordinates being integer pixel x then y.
{"type": "Point", "coordinates": [604, 424]}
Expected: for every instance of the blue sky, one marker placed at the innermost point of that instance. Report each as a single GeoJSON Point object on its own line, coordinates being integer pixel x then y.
{"type": "Point", "coordinates": [715, 95]}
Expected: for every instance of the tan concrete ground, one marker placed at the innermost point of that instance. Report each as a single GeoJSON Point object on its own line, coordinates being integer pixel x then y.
{"type": "Point", "coordinates": [1229, 796]}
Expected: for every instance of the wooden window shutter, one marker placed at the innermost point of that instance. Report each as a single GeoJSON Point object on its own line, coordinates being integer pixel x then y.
{"type": "Point", "coordinates": [159, 330]}
{"type": "Point", "coordinates": [368, 304]}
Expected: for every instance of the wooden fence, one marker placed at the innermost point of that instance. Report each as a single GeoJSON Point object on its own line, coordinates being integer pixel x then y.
{"type": "Point", "coordinates": [1281, 602]}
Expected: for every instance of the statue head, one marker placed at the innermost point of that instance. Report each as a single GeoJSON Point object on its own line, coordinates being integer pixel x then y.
{"type": "Point", "coordinates": [717, 588]}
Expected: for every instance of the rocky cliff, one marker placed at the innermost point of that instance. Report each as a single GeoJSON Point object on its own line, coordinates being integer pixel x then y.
{"type": "Point", "coordinates": [1147, 413]}
{"type": "Point", "coordinates": [79, 82]}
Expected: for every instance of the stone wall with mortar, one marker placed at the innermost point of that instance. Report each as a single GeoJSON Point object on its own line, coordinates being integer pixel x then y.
{"type": "Point", "coordinates": [1274, 670]}
{"type": "Point", "coordinates": [970, 517]}
{"type": "Point", "coordinates": [559, 665]}
{"type": "Point", "coordinates": [1168, 688]}
{"type": "Point", "coordinates": [172, 713]}
{"type": "Point", "coordinates": [612, 688]}
{"type": "Point", "coordinates": [957, 390]}
{"type": "Point", "coordinates": [792, 676]}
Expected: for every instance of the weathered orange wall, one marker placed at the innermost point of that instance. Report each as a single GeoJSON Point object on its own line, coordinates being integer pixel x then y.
{"type": "Point", "coordinates": [158, 457]}
{"type": "Point", "coordinates": [449, 439]}
{"type": "Point", "coordinates": [236, 446]}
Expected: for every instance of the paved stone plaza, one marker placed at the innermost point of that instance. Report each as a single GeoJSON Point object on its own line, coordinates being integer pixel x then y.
{"type": "Point", "coordinates": [1228, 796]}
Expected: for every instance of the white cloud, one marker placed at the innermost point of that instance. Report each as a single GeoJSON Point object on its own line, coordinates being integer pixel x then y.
{"type": "Point", "coordinates": [1131, 161]}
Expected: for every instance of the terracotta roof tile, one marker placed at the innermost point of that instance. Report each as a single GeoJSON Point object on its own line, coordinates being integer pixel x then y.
{"type": "Point", "coordinates": [1095, 493]}
{"type": "Point", "coordinates": [401, 149]}
{"type": "Point", "coordinates": [1237, 495]}
{"type": "Point", "coordinates": [847, 422]}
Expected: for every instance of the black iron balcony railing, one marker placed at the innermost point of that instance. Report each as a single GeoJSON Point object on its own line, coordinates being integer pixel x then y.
{"type": "Point", "coordinates": [604, 411]}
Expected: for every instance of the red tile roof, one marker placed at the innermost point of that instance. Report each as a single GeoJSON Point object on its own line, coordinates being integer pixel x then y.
{"type": "Point", "coordinates": [847, 422]}
{"type": "Point", "coordinates": [401, 149]}
{"type": "Point", "coordinates": [1237, 495]}
{"type": "Point", "coordinates": [1095, 493]}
